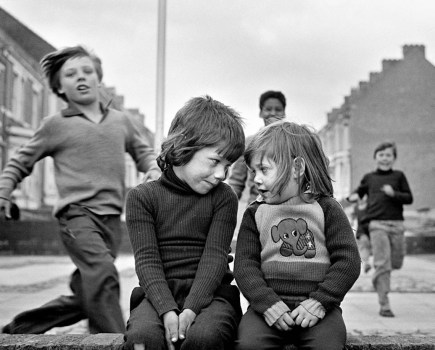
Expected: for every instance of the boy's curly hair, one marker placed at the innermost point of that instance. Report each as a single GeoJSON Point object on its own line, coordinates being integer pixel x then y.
{"type": "Point", "coordinates": [202, 122]}
{"type": "Point", "coordinates": [53, 62]}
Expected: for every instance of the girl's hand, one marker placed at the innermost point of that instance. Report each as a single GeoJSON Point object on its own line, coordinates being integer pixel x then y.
{"type": "Point", "coordinates": [186, 319]}
{"type": "Point", "coordinates": [170, 322]}
{"type": "Point", "coordinates": [284, 323]}
{"type": "Point", "coordinates": [303, 318]}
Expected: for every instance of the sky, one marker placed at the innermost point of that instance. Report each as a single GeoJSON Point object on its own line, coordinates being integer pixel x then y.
{"type": "Point", "coordinates": [314, 51]}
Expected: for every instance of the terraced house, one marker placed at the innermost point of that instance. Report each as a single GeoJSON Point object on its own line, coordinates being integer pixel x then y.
{"type": "Point", "coordinates": [397, 104]}
{"type": "Point", "coordinates": [25, 99]}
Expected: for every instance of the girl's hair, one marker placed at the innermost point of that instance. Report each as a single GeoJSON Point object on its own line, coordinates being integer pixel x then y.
{"type": "Point", "coordinates": [53, 62]}
{"type": "Point", "coordinates": [385, 145]}
{"type": "Point", "coordinates": [202, 122]}
{"type": "Point", "coordinates": [286, 143]}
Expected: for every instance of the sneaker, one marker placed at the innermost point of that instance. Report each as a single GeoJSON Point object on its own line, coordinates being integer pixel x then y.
{"type": "Point", "coordinates": [386, 313]}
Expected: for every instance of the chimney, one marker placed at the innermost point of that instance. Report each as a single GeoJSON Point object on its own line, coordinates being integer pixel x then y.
{"type": "Point", "coordinates": [413, 50]}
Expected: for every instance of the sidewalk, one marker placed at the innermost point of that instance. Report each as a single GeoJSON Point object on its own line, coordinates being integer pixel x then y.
{"type": "Point", "coordinates": [29, 281]}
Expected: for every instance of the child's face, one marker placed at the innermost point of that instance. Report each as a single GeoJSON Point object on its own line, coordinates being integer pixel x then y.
{"type": "Point", "coordinates": [385, 159]}
{"type": "Point", "coordinates": [266, 174]}
{"type": "Point", "coordinates": [204, 171]}
{"type": "Point", "coordinates": [79, 80]}
{"type": "Point", "coordinates": [272, 111]}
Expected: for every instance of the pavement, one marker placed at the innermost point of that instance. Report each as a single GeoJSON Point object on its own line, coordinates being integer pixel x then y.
{"type": "Point", "coordinates": [29, 281]}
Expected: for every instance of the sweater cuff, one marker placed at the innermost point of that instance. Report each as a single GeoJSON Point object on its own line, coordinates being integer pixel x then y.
{"type": "Point", "coordinates": [272, 314]}
{"type": "Point", "coordinates": [314, 307]}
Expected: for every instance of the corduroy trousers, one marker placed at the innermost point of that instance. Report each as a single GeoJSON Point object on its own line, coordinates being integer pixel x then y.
{"type": "Point", "coordinates": [92, 241]}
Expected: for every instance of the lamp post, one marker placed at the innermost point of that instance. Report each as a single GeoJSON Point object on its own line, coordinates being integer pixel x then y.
{"type": "Point", "coordinates": [160, 88]}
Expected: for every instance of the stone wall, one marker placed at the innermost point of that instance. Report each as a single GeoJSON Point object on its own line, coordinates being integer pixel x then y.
{"type": "Point", "coordinates": [114, 342]}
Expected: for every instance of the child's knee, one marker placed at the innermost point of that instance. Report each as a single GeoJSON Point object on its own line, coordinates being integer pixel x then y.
{"type": "Point", "coordinates": [206, 338]}
{"type": "Point", "coordinates": [143, 339]}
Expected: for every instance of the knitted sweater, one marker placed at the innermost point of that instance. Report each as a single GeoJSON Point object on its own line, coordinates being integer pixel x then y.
{"type": "Point", "coordinates": [379, 205]}
{"type": "Point", "coordinates": [177, 233]}
{"type": "Point", "coordinates": [295, 251]}
{"type": "Point", "coordinates": [89, 158]}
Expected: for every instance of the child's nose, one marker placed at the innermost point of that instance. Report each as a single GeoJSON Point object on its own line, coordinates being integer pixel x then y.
{"type": "Point", "coordinates": [220, 173]}
{"type": "Point", "coordinates": [257, 179]}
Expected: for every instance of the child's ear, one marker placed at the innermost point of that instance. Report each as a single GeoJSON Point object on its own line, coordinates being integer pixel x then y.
{"type": "Point", "coordinates": [299, 166]}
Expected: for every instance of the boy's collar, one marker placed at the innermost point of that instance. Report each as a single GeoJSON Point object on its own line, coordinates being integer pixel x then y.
{"type": "Point", "coordinates": [72, 111]}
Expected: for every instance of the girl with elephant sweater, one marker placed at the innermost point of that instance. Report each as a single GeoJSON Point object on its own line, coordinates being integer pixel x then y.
{"type": "Point", "coordinates": [296, 255]}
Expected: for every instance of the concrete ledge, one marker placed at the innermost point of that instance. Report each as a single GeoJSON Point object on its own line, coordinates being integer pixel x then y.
{"type": "Point", "coordinates": [114, 342]}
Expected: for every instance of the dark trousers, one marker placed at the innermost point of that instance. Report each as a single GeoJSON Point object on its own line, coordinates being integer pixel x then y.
{"type": "Point", "coordinates": [214, 328]}
{"type": "Point", "coordinates": [92, 241]}
{"type": "Point", "coordinates": [327, 334]}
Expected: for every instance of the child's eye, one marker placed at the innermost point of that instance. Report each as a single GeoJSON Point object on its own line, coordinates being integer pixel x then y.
{"type": "Point", "coordinates": [264, 170]}
{"type": "Point", "coordinates": [88, 70]}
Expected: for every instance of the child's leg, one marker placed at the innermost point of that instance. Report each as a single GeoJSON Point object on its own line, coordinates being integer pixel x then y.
{"type": "Point", "coordinates": [382, 260]}
{"type": "Point", "coordinates": [92, 242]}
{"type": "Point", "coordinates": [397, 241]}
{"type": "Point", "coordinates": [144, 328]}
{"type": "Point", "coordinates": [364, 250]}
{"type": "Point", "coordinates": [254, 333]}
{"type": "Point", "coordinates": [214, 328]}
{"type": "Point", "coordinates": [327, 334]}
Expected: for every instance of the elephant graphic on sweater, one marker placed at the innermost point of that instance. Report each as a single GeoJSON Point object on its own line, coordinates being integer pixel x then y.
{"type": "Point", "coordinates": [296, 238]}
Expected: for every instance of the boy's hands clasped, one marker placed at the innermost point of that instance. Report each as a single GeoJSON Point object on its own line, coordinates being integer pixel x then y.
{"type": "Point", "coordinates": [298, 317]}
{"type": "Point", "coordinates": [177, 326]}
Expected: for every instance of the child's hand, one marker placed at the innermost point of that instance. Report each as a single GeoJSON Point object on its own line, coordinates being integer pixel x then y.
{"type": "Point", "coordinates": [5, 205]}
{"type": "Point", "coordinates": [303, 318]}
{"type": "Point", "coordinates": [151, 175]}
{"type": "Point", "coordinates": [170, 322]}
{"type": "Point", "coordinates": [284, 323]}
{"type": "Point", "coordinates": [186, 319]}
{"type": "Point", "coordinates": [388, 190]}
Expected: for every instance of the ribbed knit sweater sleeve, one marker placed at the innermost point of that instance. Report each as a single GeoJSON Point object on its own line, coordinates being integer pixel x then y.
{"type": "Point", "coordinates": [344, 256]}
{"type": "Point", "coordinates": [140, 209]}
{"type": "Point", "coordinates": [214, 260]}
{"type": "Point", "coordinates": [247, 265]}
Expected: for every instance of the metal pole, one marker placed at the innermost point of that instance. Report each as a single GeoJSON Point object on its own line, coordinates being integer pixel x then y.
{"type": "Point", "coordinates": [160, 93]}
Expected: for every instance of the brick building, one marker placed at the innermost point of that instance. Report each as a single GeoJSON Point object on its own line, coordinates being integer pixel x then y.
{"type": "Point", "coordinates": [25, 99]}
{"type": "Point", "coordinates": [398, 104]}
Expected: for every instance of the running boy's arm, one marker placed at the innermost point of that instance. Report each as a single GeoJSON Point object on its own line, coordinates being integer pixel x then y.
{"type": "Point", "coordinates": [403, 194]}
{"type": "Point", "coordinates": [22, 163]}
{"type": "Point", "coordinates": [142, 153]}
{"type": "Point", "coordinates": [248, 274]}
{"type": "Point", "coordinates": [214, 260]}
{"type": "Point", "coordinates": [344, 256]}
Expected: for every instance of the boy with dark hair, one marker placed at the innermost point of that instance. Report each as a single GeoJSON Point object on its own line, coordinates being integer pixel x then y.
{"type": "Point", "coordinates": [387, 191]}
{"type": "Point", "coordinates": [272, 108]}
{"type": "Point", "coordinates": [181, 227]}
{"type": "Point", "coordinates": [87, 142]}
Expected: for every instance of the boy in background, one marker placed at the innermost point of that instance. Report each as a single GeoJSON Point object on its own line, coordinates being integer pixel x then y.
{"type": "Point", "coordinates": [387, 191]}
{"type": "Point", "coordinates": [272, 108]}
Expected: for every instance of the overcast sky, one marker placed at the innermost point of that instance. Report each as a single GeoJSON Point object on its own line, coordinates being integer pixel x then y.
{"type": "Point", "coordinates": [314, 51]}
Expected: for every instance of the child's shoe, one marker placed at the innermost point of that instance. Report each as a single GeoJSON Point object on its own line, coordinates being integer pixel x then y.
{"type": "Point", "coordinates": [386, 313]}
